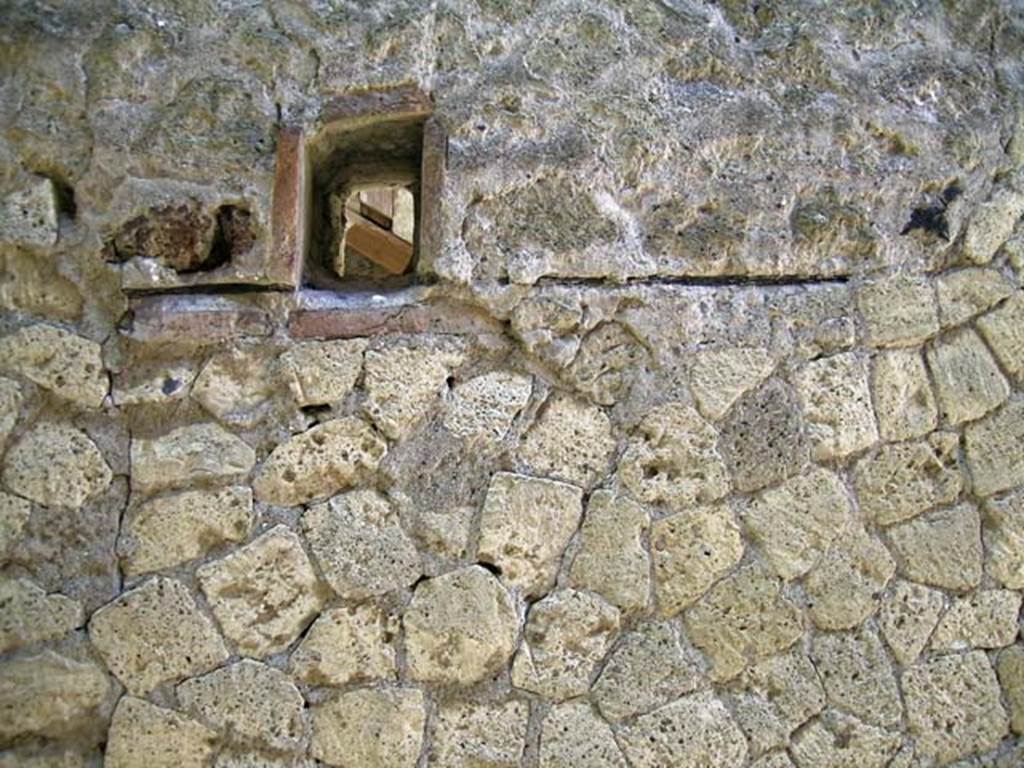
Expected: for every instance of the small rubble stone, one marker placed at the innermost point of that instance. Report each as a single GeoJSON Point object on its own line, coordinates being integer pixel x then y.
{"type": "Point", "coordinates": [836, 740]}
{"type": "Point", "coordinates": [187, 455]}
{"type": "Point", "coordinates": [250, 701]}
{"type": "Point", "coordinates": [360, 546]}
{"type": "Point", "coordinates": [942, 548]}
{"type": "Point", "coordinates": [719, 377]}
{"type": "Point", "coordinates": [485, 406]}
{"type": "Point", "coordinates": [844, 587]}
{"type": "Point", "coordinates": [571, 441]}
{"type": "Point", "coordinates": [322, 372]}
{"type": "Point", "coordinates": [459, 628]}
{"type": "Point", "coordinates": [992, 224]}
{"type": "Point", "coordinates": [49, 696]}
{"type": "Point", "coordinates": [525, 526]}
{"type": "Point", "coordinates": [773, 760]}
{"type": "Point", "coordinates": [402, 383]}
{"type": "Point", "coordinates": [155, 634]}
{"type": "Point", "coordinates": [567, 635]}
{"type": "Point", "coordinates": [903, 395]}
{"type": "Point", "coordinates": [55, 757]}
{"type": "Point", "coordinates": [28, 615]}
{"type": "Point", "coordinates": [969, 292]}
{"type": "Point", "coordinates": [649, 668]}
{"type": "Point", "coordinates": [169, 530]}
{"type": "Point", "coordinates": [995, 455]}
{"type": "Point", "coordinates": [68, 365]}
{"type": "Point", "coordinates": [612, 560]}
{"type": "Point", "coordinates": [264, 594]}
{"type": "Point", "coordinates": [901, 481]}
{"type": "Point", "coordinates": [371, 728]}
{"type": "Point", "coordinates": [1010, 668]}
{"type": "Point", "coordinates": [235, 383]}
{"type": "Point", "coordinates": [763, 438]}
{"type": "Point", "coordinates": [967, 380]}
{"type": "Point", "coordinates": [154, 384]}
{"type": "Point", "coordinates": [14, 513]}
{"type": "Point", "coordinates": [10, 404]}
{"type": "Point", "coordinates": [57, 466]}
{"type": "Point", "coordinates": [28, 216]}
{"type": "Point", "coordinates": [742, 619]}
{"type": "Point", "coordinates": [837, 404]}
{"type": "Point", "coordinates": [572, 735]}
{"type": "Point", "coordinates": [1004, 539]}
{"type": "Point", "coordinates": [898, 310]}
{"type": "Point", "coordinates": [34, 285]}
{"type": "Point", "coordinates": [858, 677]}
{"type": "Point", "coordinates": [146, 736]}
{"type": "Point", "coordinates": [691, 550]}
{"type": "Point", "coordinates": [986, 619]}
{"type": "Point", "coordinates": [179, 236]}
{"type": "Point", "coordinates": [953, 706]}
{"type": "Point", "coordinates": [777, 696]}
{"type": "Point", "coordinates": [244, 758]}
{"type": "Point", "coordinates": [691, 732]}
{"type": "Point", "coordinates": [795, 523]}
{"type": "Point", "coordinates": [318, 463]}
{"type": "Point", "coordinates": [608, 358]}
{"type": "Point", "coordinates": [907, 617]}
{"type": "Point", "coordinates": [1003, 329]}
{"type": "Point", "coordinates": [347, 645]}
{"type": "Point", "coordinates": [468, 735]}
{"type": "Point", "coordinates": [673, 458]}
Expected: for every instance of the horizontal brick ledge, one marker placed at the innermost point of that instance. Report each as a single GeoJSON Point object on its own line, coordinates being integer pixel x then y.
{"type": "Point", "coordinates": [195, 319]}
{"type": "Point", "coordinates": [351, 322]}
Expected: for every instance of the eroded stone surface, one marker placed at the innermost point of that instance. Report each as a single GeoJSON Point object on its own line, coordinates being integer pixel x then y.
{"type": "Point", "coordinates": [742, 619]}
{"type": "Point", "coordinates": [49, 695]}
{"type": "Point", "coordinates": [485, 406]}
{"type": "Point", "coordinates": [169, 530]}
{"type": "Point", "coordinates": [155, 634]}
{"type": "Point", "coordinates": [992, 445]}
{"type": "Point", "coordinates": [1004, 539]}
{"type": "Point", "coordinates": [322, 372]}
{"type": "Point", "coordinates": [673, 458]}
{"type": "Point", "coordinates": [572, 735]}
{"type": "Point", "coordinates": [34, 285]}
{"type": "Point", "coordinates": [612, 559]}
{"type": "Point", "coordinates": [56, 465]}
{"type": "Point", "coordinates": [858, 677]}
{"type": "Point", "coordinates": [953, 706]}
{"type": "Point", "coordinates": [969, 292]}
{"type": "Point", "coordinates": [318, 463]}
{"type": "Point", "coordinates": [986, 619]}
{"type": "Point", "coordinates": [468, 735]}
{"type": "Point", "coordinates": [794, 523]}
{"type": "Point", "coordinates": [1003, 329]}
{"type": "Point", "coordinates": [571, 441]}
{"type": "Point", "coordinates": [898, 310]}
{"type": "Point", "coordinates": [903, 395]}
{"type": "Point", "coordinates": [1010, 668]}
{"type": "Point", "coordinates": [837, 403]}
{"type": "Point", "coordinates": [902, 481]}
{"type": "Point", "coordinates": [14, 513]}
{"type": "Point", "coordinates": [28, 216]}
{"type": "Point", "coordinates": [566, 636]}
{"type": "Point", "coordinates": [459, 627]}
{"type": "Point", "coordinates": [67, 364]}
{"type": "Point", "coordinates": [992, 224]}
{"type": "Point", "coordinates": [235, 383]}
{"type": "Point", "coordinates": [721, 376]}
{"type": "Point", "coordinates": [360, 546]}
{"type": "Point", "coordinates": [907, 617]}
{"type": "Point", "coordinates": [144, 735]}
{"type": "Point", "coordinates": [649, 668]}
{"type": "Point", "coordinates": [837, 740]}
{"type": "Point", "coordinates": [370, 727]}
{"type": "Point", "coordinates": [187, 455]}
{"type": "Point", "coordinates": [346, 645]}
{"type": "Point", "coordinates": [525, 525]}
{"type": "Point", "coordinates": [10, 404]}
{"type": "Point", "coordinates": [250, 701]}
{"type": "Point", "coordinates": [968, 382]}
{"type": "Point", "coordinates": [691, 550]}
{"type": "Point", "coordinates": [942, 548]}
{"type": "Point", "coordinates": [693, 731]}
{"type": "Point", "coordinates": [763, 437]}
{"type": "Point", "coordinates": [264, 594]}
{"type": "Point", "coordinates": [403, 382]}
{"type": "Point", "coordinates": [608, 357]}
{"type": "Point", "coordinates": [28, 615]}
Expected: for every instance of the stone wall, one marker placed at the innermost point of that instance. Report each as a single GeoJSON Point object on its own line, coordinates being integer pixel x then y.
{"type": "Point", "coordinates": [696, 439]}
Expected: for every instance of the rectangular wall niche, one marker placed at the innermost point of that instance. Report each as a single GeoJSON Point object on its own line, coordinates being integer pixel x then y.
{"type": "Point", "coordinates": [372, 168]}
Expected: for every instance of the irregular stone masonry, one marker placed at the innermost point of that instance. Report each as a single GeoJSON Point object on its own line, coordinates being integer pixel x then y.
{"type": "Point", "coordinates": [693, 437]}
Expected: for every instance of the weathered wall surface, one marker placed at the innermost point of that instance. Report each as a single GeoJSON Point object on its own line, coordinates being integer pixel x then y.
{"type": "Point", "coordinates": [700, 443]}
